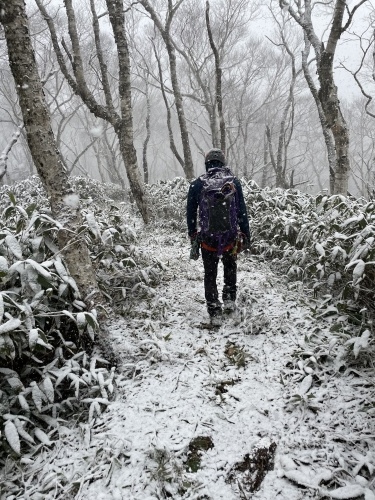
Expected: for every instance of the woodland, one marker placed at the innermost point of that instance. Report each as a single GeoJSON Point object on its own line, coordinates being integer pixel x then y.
{"type": "Point", "coordinates": [112, 384]}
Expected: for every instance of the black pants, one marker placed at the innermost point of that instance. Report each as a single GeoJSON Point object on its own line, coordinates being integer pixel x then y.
{"type": "Point", "coordinates": [210, 262]}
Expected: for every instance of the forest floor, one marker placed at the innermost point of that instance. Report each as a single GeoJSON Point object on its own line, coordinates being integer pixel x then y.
{"type": "Point", "coordinates": [194, 406]}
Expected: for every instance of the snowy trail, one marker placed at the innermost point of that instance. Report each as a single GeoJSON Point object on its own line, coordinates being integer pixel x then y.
{"type": "Point", "coordinates": [183, 381]}
{"type": "Point", "coordinates": [269, 375]}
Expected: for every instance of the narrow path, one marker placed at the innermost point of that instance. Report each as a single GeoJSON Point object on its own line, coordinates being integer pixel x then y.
{"type": "Point", "coordinates": [182, 381]}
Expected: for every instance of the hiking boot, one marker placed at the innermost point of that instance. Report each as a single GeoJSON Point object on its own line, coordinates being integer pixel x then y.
{"type": "Point", "coordinates": [229, 306]}
{"type": "Point", "coordinates": [217, 320]}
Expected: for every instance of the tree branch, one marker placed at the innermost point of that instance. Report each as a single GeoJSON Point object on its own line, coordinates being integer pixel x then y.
{"type": "Point", "coordinates": [4, 155]}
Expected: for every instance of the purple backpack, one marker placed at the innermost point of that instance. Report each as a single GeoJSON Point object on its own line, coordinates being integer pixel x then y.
{"type": "Point", "coordinates": [218, 207]}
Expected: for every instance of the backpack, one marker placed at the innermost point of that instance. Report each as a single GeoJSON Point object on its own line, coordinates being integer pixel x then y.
{"type": "Point", "coordinates": [218, 208]}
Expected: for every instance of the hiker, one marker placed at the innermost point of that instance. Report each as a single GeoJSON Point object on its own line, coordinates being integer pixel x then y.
{"type": "Point", "coordinates": [223, 230]}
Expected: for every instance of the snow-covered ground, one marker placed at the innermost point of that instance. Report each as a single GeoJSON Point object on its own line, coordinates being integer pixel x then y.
{"type": "Point", "coordinates": [249, 384]}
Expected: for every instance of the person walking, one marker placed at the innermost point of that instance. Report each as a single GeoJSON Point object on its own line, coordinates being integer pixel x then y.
{"type": "Point", "coordinates": [221, 231]}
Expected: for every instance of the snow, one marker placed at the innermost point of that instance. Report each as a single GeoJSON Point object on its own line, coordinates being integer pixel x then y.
{"type": "Point", "coordinates": [96, 131]}
{"type": "Point", "coordinates": [178, 381]}
{"type": "Point", "coordinates": [71, 200]}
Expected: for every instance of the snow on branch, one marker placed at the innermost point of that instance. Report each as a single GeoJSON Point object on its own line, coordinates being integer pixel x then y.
{"type": "Point", "coordinates": [4, 155]}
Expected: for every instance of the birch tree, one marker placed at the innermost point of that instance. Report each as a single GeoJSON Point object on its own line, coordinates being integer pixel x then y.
{"type": "Point", "coordinates": [121, 119]}
{"type": "Point", "coordinates": [326, 97]}
{"type": "Point", "coordinates": [42, 144]}
{"type": "Point", "coordinates": [218, 81]}
{"type": "Point", "coordinates": [165, 32]}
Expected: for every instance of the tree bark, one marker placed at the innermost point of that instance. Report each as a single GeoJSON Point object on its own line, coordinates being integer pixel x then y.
{"type": "Point", "coordinates": [123, 122]}
{"type": "Point", "coordinates": [207, 100]}
{"type": "Point", "coordinates": [41, 141]}
{"type": "Point", "coordinates": [124, 128]}
{"type": "Point", "coordinates": [5, 153]}
{"type": "Point", "coordinates": [327, 132]}
{"type": "Point", "coordinates": [218, 74]}
{"type": "Point", "coordinates": [331, 104]}
{"type": "Point", "coordinates": [148, 135]}
{"type": "Point", "coordinates": [172, 143]}
{"type": "Point", "coordinates": [327, 93]}
{"type": "Point", "coordinates": [265, 161]}
{"type": "Point", "coordinates": [165, 33]}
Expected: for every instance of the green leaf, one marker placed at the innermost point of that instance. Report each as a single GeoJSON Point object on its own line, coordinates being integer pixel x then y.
{"type": "Point", "coordinates": [129, 262]}
{"type": "Point", "coordinates": [12, 197]}
{"type": "Point", "coordinates": [91, 320]}
{"type": "Point", "coordinates": [44, 282]}
{"type": "Point", "coordinates": [20, 225]}
{"type": "Point", "coordinates": [30, 209]}
{"type": "Point", "coordinates": [8, 212]}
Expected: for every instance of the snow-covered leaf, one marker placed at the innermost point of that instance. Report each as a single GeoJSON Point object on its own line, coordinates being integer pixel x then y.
{"type": "Point", "coordinates": [287, 463]}
{"type": "Point", "coordinates": [10, 325]}
{"type": "Point", "coordinates": [359, 343]}
{"type": "Point", "coordinates": [21, 431]}
{"type": "Point", "coordinates": [48, 389]}
{"type": "Point", "coordinates": [369, 495]}
{"type": "Point", "coordinates": [37, 396]}
{"type": "Point", "coordinates": [61, 271]}
{"type": "Point", "coordinates": [15, 383]}
{"type": "Point", "coordinates": [42, 437]}
{"type": "Point", "coordinates": [1, 307]}
{"type": "Point", "coordinates": [11, 434]}
{"type": "Point", "coordinates": [33, 338]}
{"type": "Point", "coordinates": [3, 266]}
{"type": "Point", "coordinates": [358, 270]}
{"type": "Point", "coordinates": [91, 320]}
{"type": "Point", "coordinates": [13, 246]}
{"type": "Point", "coordinates": [320, 249]}
{"type": "Point", "coordinates": [93, 225]}
{"type": "Point", "coordinates": [23, 403]}
{"type": "Point", "coordinates": [299, 477]}
{"type": "Point", "coordinates": [305, 385]}
{"type": "Point", "coordinates": [81, 320]}
{"type": "Point", "coordinates": [345, 492]}
{"type": "Point", "coordinates": [39, 269]}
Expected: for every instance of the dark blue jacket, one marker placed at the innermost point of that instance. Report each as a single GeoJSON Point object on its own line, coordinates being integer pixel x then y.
{"type": "Point", "coordinates": [193, 203]}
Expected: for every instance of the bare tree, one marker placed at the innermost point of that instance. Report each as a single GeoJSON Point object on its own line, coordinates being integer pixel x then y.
{"type": "Point", "coordinates": [165, 31]}
{"type": "Point", "coordinates": [64, 203]}
{"type": "Point", "coordinates": [218, 80]}
{"type": "Point", "coordinates": [280, 161]}
{"type": "Point", "coordinates": [327, 93]}
{"type": "Point", "coordinates": [5, 153]}
{"type": "Point", "coordinates": [208, 41]}
{"type": "Point", "coordinates": [366, 67]}
{"type": "Point", "coordinates": [121, 121]}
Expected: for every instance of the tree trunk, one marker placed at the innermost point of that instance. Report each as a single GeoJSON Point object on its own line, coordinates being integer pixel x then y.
{"type": "Point", "coordinates": [265, 161]}
{"type": "Point", "coordinates": [148, 135]}
{"type": "Point", "coordinates": [218, 80]}
{"type": "Point", "coordinates": [172, 143]}
{"type": "Point", "coordinates": [165, 33]}
{"type": "Point", "coordinates": [327, 132]}
{"type": "Point", "coordinates": [124, 128]}
{"type": "Point", "coordinates": [327, 93]}
{"type": "Point", "coordinates": [123, 123]}
{"type": "Point", "coordinates": [335, 122]}
{"type": "Point", "coordinates": [41, 141]}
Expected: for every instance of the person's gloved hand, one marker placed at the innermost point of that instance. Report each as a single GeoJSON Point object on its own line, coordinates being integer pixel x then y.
{"type": "Point", "coordinates": [244, 243]}
{"type": "Point", "coordinates": [194, 251]}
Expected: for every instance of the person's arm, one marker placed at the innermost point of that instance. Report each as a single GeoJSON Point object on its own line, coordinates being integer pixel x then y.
{"type": "Point", "coordinates": [192, 206]}
{"type": "Point", "coordinates": [243, 220]}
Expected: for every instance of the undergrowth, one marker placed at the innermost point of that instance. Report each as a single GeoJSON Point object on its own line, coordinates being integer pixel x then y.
{"type": "Point", "coordinates": [48, 369]}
